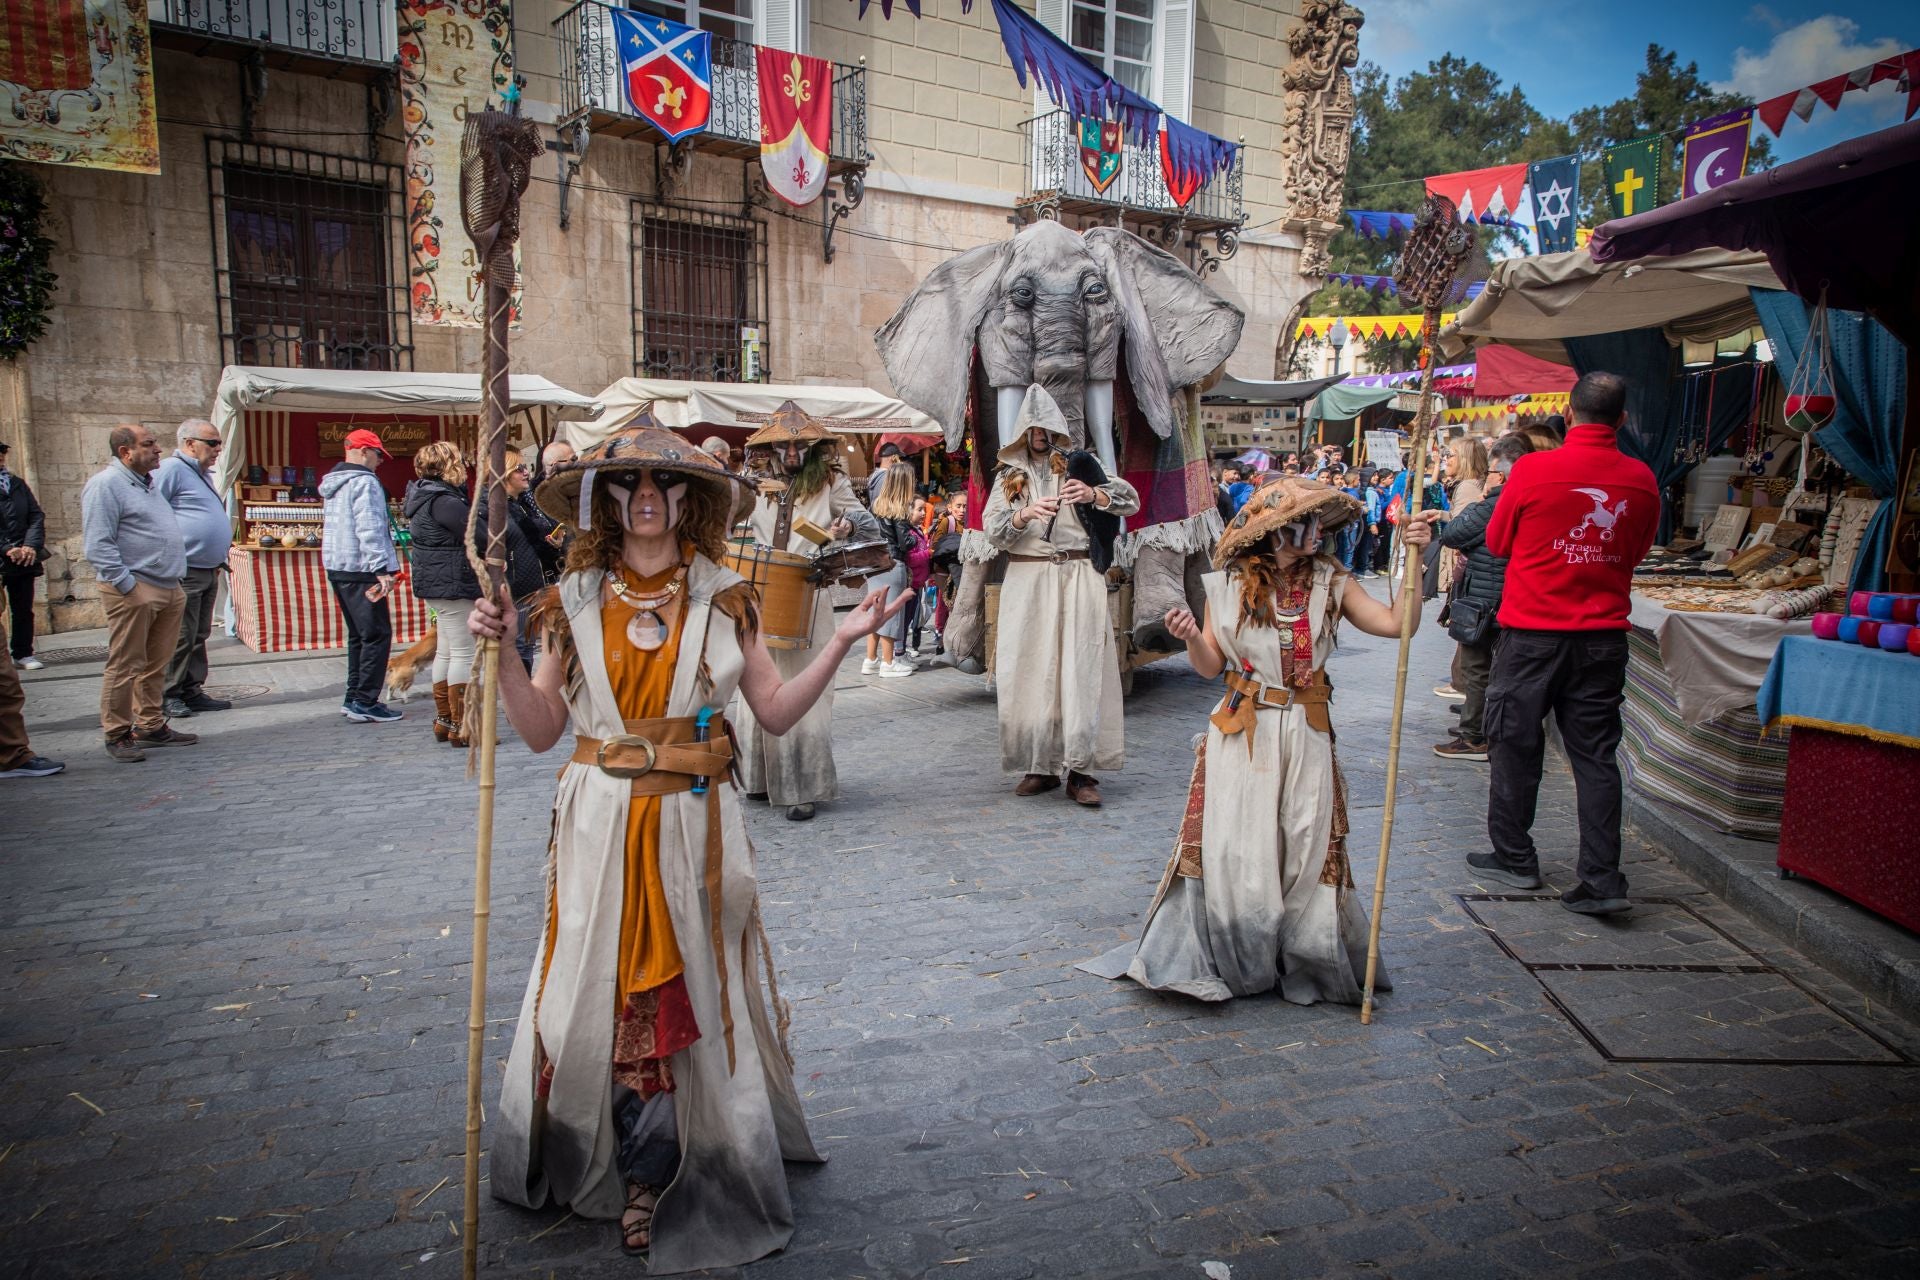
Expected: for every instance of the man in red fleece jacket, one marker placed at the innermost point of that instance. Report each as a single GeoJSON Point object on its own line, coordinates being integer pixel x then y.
{"type": "Point", "coordinates": [1573, 522]}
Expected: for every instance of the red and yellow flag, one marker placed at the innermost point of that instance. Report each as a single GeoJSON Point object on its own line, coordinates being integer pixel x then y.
{"type": "Point", "coordinates": [796, 123]}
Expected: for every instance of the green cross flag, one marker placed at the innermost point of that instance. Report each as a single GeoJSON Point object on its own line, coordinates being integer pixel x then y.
{"type": "Point", "coordinates": [1633, 176]}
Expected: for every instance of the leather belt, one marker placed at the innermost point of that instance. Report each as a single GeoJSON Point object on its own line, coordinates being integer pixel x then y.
{"type": "Point", "coordinates": [1058, 557]}
{"type": "Point", "coordinates": [1314, 698]}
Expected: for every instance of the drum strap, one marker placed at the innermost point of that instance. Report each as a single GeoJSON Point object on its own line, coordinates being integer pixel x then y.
{"type": "Point", "coordinates": [783, 522]}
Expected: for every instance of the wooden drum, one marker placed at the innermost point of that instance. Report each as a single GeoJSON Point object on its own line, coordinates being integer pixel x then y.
{"type": "Point", "coordinates": [784, 584]}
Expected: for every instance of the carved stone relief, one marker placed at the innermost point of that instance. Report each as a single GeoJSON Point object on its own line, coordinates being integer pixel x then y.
{"type": "Point", "coordinates": [1316, 123]}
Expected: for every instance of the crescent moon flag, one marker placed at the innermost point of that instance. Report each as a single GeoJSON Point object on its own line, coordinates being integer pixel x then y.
{"type": "Point", "coordinates": [668, 72]}
{"type": "Point", "coordinates": [1715, 151]}
{"type": "Point", "coordinates": [796, 122]}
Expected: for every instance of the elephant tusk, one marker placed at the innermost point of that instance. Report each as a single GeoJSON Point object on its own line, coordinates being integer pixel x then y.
{"type": "Point", "coordinates": [1007, 401]}
{"type": "Point", "coordinates": [1100, 423]}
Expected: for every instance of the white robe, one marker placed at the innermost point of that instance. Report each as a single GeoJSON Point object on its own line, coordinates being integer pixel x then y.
{"type": "Point", "coordinates": [1267, 909]}
{"type": "Point", "coordinates": [797, 767]}
{"type": "Point", "coordinates": [728, 1203]}
{"type": "Point", "coordinates": [1055, 671]}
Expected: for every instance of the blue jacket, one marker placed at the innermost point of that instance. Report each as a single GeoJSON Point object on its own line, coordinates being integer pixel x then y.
{"type": "Point", "coordinates": [204, 523]}
{"type": "Point", "coordinates": [358, 537]}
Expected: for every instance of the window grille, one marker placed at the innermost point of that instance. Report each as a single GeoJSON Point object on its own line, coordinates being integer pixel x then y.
{"type": "Point", "coordinates": [309, 258]}
{"type": "Point", "coordinates": [699, 295]}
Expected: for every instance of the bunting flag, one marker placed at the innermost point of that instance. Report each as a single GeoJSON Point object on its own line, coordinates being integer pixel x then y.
{"type": "Point", "coordinates": [1190, 156]}
{"type": "Point", "coordinates": [668, 69]}
{"type": "Point", "coordinates": [1556, 195]}
{"type": "Point", "coordinates": [796, 122]}
{"type": "Point", "coordinates": [1099, 151]}
{"type": "Point", "coordinates": [1407, 326]}
{"type": "Point", "coordinates": [1073, 83]}
{"type": "Point", "coordinates": [1482, 195]}
{"type": "Point", "coordinates": [1377, 225]}
{"type": "Point", "coordinates": [1904, 69]}
{"type": "Point", "coordinates": [1633, 175]}
{"type": "Point", "coordinates": [1384, 284]}
{"type": "Point", "coordinates": [1715, 151]}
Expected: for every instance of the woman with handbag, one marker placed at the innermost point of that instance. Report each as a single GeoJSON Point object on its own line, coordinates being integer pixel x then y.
{"type": "Point", "coordinates": [893, 508]}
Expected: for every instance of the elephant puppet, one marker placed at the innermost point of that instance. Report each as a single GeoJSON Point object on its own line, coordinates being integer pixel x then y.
{"type": "Point", "coordinates": [1117, 331]}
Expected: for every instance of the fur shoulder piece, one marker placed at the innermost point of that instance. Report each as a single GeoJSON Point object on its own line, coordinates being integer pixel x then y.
{"type": "Point", "coordinates": [740, 602]}
{"type": "Point", "coordinates": [1013, 483]}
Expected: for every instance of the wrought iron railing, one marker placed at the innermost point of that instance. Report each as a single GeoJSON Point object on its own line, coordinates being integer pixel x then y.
{"type": "Point", "coordinates": [592, 80]}
{"type": "Point", "coordinates": [354, 30]}
{"type": "Point", "coordinates": [1055, 177]}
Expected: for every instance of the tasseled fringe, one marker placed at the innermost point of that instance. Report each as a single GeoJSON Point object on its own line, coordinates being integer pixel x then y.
{"type": "Point", "coordinates": [1195, 533]}
{"type": "Point", "coordinates": [976, 548]}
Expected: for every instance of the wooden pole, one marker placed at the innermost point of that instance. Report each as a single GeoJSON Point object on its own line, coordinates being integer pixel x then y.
{"type": "Point", "coordinates": [494, 449]}
{"type": "Point", "coordinates": [1410, 598]}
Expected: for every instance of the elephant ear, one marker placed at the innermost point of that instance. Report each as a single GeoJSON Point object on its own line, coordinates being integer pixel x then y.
{"type": "Point", "coordinates": [1177, 329]}
{"type": "Point", "coordinates": [927, 346]}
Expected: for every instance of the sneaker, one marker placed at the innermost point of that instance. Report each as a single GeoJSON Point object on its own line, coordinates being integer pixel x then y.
{"type": "Point", "coordinates": [870, 666]}
{"type": "Point", "coordinates": [1448, 692]}
{"type": "Point", "coordinates": [898, 667]}
{"type": "Point", "coordinates": [125, 750]}
{"type": "Point", "coordinates": [29, 663]}
{"type": "Point", "coordinates": [176, 709]}
{"type": "Point", "coordinates": [34, 767]}
{"type": "Point", "coordinates": [199, 701]}
{"type": "Point", "coordinates": [1493, 869]}
{"type": "Point", "coordinates": [371, 713]}
{"type": "Point", "coordinates": [1461, 749]}
{"type": "Point", "coordinates": [165, 736]}
{"type": "Point", "coordinates": [1586, 902]}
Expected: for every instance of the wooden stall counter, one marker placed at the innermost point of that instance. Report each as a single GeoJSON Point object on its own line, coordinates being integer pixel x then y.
{"type": "Point", "coordinates": [283, 603]}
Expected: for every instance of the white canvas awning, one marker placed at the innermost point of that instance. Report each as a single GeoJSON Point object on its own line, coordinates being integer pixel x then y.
{"type": "Point", "coordinates": [244, 387]}
{"type": "Point", "coordinates": [1532, 303]}
{"type": "Point", "coordinates": [688, 406]}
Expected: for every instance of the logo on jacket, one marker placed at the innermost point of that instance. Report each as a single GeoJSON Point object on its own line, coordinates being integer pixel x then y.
{"type": "Point", "coordinates": [1600, 520]}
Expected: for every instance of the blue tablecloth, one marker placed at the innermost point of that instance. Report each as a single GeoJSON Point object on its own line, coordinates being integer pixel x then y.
{"type": "Point", "coordinates": [1843, 688]}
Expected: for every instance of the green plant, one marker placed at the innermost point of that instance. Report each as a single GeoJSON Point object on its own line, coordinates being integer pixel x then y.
{"type": "Point", "coordinates": [26, 261]}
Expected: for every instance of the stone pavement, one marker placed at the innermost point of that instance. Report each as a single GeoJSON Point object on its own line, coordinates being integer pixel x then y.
{"type": "Point", "coordinates": [235, 993]}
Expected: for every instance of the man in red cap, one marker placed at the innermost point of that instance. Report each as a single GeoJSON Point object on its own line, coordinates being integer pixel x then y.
{"type": "Point", "coordinates": [357, 549]}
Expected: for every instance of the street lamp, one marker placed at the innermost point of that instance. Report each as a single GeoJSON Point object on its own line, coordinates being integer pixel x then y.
{"type": "Point", "coordinates": [1338, 337]}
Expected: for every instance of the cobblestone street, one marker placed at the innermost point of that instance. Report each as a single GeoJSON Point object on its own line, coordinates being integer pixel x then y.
{"type": "Point", "coordinates": [235, 988]}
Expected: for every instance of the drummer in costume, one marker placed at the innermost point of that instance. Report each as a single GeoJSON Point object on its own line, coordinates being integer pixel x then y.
{"type": "Point", "coordinates": [647, 1081]}
{"type": "Point", "coordinates": [795, 771]}
{"type": "Point", "coordinates": [1258, 892]}
{"type": "Point", "coordinates": [1056, 674]}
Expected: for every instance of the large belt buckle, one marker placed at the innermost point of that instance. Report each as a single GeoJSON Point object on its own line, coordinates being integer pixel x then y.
{"type": "Point", "coordinates": [1059, 557]}
{"type": "Point", "coordinates": [623, 770]}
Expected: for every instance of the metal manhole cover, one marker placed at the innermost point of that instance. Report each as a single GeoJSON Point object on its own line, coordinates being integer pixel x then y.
{"type": "Point", "coordinates": [63, 657]}
{"type": "Point", "coordinates": [236, 692]}
{"type": "Point", "coordinates": [1667, 985]}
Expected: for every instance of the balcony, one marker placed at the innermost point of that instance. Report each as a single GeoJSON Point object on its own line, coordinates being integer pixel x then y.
{"type": "Point", "coordinates": [1057, 187]}
{"type": "Point", "coordinates": [592, 93]}
{"type": "Point", "coordinates": [356, 39]}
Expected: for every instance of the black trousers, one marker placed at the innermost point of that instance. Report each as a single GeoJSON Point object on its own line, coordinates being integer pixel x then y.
{"type": "Point", "coordinates": [1578, 677]}
{"type": "Point", "coordinates": [369, 635]}
{"type": "Point", "coordinates": [20, 614]}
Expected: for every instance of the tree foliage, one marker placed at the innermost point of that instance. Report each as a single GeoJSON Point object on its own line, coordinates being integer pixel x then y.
{"type": "Point", "coordinates": [26, 261]}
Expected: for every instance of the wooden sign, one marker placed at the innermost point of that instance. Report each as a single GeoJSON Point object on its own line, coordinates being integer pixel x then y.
{"type": "Point", "coordinates": [402, 439]}
{"type": "Point", "coordinates": [1729, 522]}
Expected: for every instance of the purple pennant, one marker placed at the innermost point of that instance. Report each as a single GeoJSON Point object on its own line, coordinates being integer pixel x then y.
{"type": "Point", "coordinates": [1194, 155]}
{"type": "Point", "coordinates": [1071, 81]}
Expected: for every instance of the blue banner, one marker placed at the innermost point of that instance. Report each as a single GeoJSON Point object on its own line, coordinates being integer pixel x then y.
{"type": "Point", "coordinates": [1556, 201]}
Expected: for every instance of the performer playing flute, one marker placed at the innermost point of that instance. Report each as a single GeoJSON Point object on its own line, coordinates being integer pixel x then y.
{"type": "Point", "coordinates": [795, 770]}
{"type": "Point", "coordinates": [1258, 891]}
{"type": "Point", "coordinates": [647, 1081]}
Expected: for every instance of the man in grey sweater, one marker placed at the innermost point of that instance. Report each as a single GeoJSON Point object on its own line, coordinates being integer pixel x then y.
{"type": "Point", "coordinates": [134, 544]}
{"type": "Point", "coordinates": [208, 533]}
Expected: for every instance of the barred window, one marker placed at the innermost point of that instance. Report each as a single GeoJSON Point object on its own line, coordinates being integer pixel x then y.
{"type": "Point", "coordinates": [309, 265]}
{"type": "Point", "coordinates": [699, 295]}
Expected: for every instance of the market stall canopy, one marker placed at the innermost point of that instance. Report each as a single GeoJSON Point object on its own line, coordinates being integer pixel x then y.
{"type": "Point", "coordinates": [244, 387]}
{"type": "Point", "coordinates": [689, 406]}
{"type": "Point", "coordinates": [1844, 218]}
{"type": "Point", "coordinates": [1534, 302]}
{"type": "Point", "coordinates": [1343, 401]}
{"type": "Point", "coordinates": [1232, 390]}
{"type": "Point", "coordinates": [1508, 371]}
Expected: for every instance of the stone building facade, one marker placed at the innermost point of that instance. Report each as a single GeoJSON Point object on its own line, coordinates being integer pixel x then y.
{"type": "Point", "coordinates": [148, 309]}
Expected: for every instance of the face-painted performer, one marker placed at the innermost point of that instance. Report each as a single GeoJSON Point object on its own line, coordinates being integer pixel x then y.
{"type": "Point", "coordinates": [1257, 893]}
{"type": "Point", "coordinates": [1056, 675]}
{"type": "Point", "coordinates": [647, 1082]}
{"type": "Point", "coordinates": [796, 771]}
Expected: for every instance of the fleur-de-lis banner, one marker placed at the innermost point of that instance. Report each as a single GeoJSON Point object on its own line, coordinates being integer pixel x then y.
{"type": "Point", "coordinates": [669, 71]}
{"type": "Point", "coordinates": [796, 123]}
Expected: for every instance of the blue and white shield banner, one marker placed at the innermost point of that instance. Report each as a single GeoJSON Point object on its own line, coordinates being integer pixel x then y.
{"type": "Point", "coordinates": [1556, 201]}
{"type": "Point", "coordinates": [668, 71]}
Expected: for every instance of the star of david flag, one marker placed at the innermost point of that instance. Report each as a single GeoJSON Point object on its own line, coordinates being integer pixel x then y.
{"type": "Point", "coordinates": [1556, 201]}
{"type": "Point", "coordinates": [668, 70]}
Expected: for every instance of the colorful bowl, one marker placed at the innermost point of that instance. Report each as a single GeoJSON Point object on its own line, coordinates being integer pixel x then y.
{"type": "Point", "coordinates": [1857, 603]}
{"type": "Point", "coordinates": [1906, 609]}
{"type": "Point", "coordinates": [1913, 642]}
{"type": "Point", "coordinates": [1869, 636]}
{"type": "Point", "coordinates": [1826, 626]}
{"type": "Point", "coordinates": [1895, 635]}
{"type": "Point", "coordinates": [1849, 632]}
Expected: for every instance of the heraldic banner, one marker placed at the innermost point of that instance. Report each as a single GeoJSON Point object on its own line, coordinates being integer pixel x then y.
{"type": "Point", "coordinates": [667, 69]}
{"type": "Point", "coordinates": [1633, 175]}
{"type": "Point", "coordinates": [1100, 151]}
{"type": "Point", "coordinates": [76, 85]}
{"type": "Point", "coordinates": [456, 56]}
{"type": "Point", "coordinates": [796, 122]}
{"type": "Point", "coordinates": [1714, 152]}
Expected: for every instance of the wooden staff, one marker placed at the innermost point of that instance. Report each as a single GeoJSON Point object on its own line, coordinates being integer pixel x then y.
{"type": "Point", "coordinates": [1410, 604]}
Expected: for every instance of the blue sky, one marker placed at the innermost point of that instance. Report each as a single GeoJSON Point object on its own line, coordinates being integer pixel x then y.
{"type": "Point", "coordinates": [1570, 56]}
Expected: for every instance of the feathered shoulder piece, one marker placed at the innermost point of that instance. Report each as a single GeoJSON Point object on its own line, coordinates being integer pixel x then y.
{"type": "Point", "coordinates": [741, 603]}
{"type": "Point", "coordinates": [1259, 580]}
{"type": "Point", "coordinates": [546, 617]}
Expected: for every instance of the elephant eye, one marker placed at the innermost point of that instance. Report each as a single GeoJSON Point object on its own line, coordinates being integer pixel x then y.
{"type": "Point", "coordinates": [1022, 294]}
{"type": "Point", "coordinates": [1095, 291]}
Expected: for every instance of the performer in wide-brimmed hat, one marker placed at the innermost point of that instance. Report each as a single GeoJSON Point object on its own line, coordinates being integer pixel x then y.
{"type": "Point", "coordinates": [647, 1081]}
{"type": "Point", "coordinates": [1055, 671]}
{"type": "Point", "coordinates": [796, 770]}
{"type": "Point", "coordinates": [1258, 892]}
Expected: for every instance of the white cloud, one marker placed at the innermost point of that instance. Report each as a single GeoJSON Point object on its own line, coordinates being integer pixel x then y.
{"type": "Point", "coordinates": [1817, 49]}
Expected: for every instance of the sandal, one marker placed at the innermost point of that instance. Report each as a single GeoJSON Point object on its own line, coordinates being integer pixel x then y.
{"type": "Point", "coordinates": [636, 1236]}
